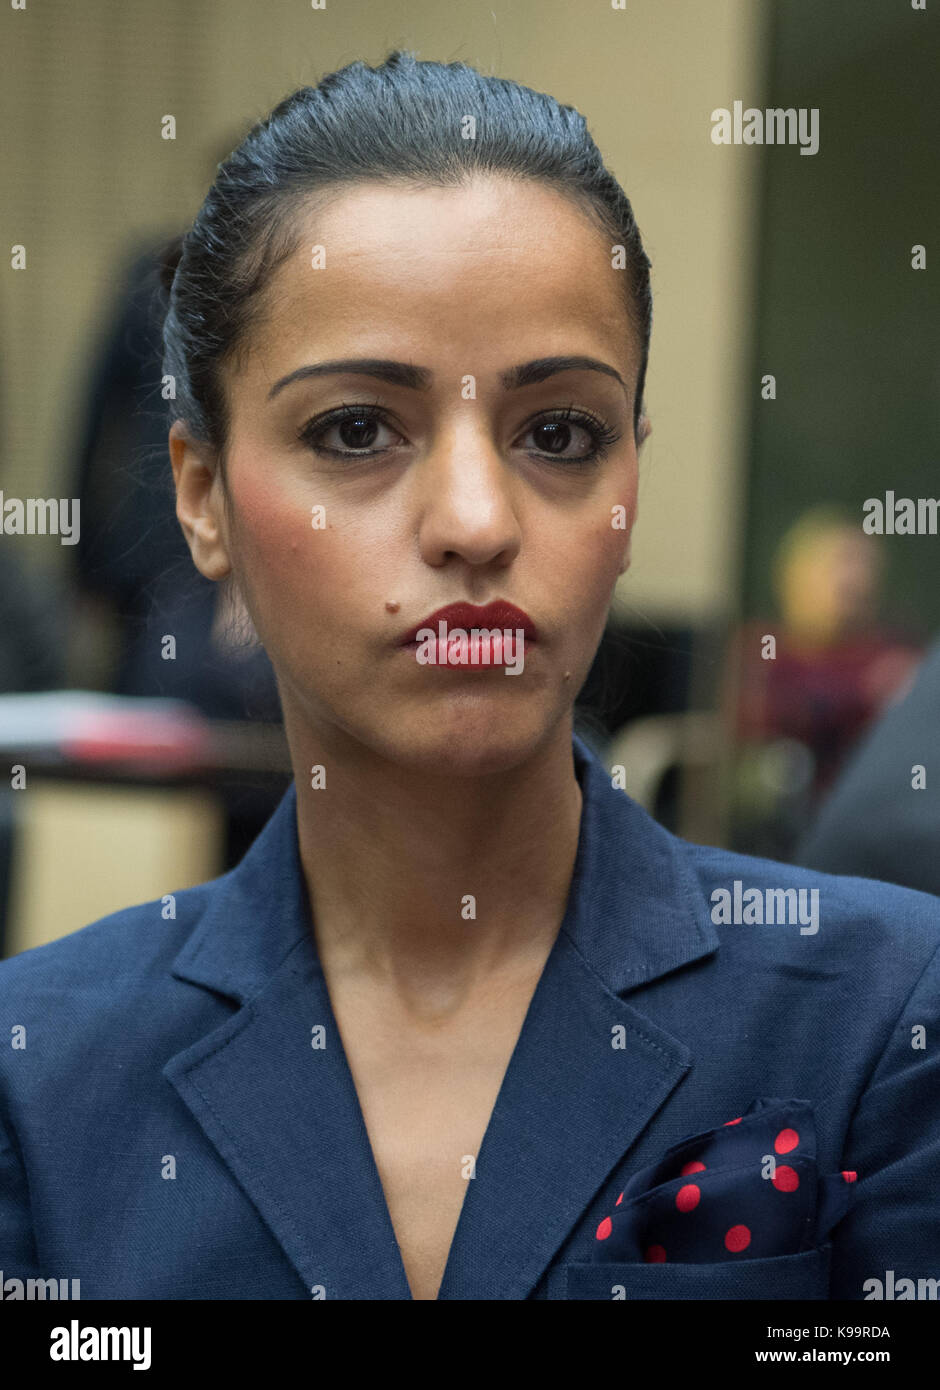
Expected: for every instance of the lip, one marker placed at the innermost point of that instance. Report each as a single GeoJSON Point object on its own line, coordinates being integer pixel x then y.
{"type": "Point", "coordinates": [499, 614]}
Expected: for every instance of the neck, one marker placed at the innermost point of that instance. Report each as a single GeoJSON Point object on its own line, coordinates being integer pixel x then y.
{"type": "Point", "coordinates": [420, 882]}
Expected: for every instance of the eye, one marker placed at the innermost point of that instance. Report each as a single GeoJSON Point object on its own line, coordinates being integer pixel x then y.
{"type": "Point", "coordinates": [354, 431]}
{"type": "Point", "coordinates": [571, 436]}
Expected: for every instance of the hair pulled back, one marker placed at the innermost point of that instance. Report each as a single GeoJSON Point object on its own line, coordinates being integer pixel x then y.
{"type": "Point", "coordinates": [400, 122]}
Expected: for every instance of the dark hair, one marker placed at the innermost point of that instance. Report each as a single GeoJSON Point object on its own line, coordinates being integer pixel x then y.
{"type": "Point", "coordinates": [399, 122]}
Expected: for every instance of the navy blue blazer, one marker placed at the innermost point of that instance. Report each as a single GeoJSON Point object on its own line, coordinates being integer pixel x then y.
{"type": "Point", "coordinates": [169, 1131]}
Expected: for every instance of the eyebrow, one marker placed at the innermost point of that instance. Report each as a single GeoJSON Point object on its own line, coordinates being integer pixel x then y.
{"type": "Point", "coordinates": [420, 378]}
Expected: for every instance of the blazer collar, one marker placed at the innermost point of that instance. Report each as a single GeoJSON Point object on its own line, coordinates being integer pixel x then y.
{"type": "Point", "coordinates": [635, 908]}
{"type": "Point", "coordinates": [587, 1075]}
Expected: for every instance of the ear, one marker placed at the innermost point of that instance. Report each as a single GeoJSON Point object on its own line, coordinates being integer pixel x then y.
{"type": "Point", "coordinates": [644, 428]}
{"type": "Point", "coordinates": [625, 555]}
{"type": "Point", "coordinates": [633, 498]}
{"type": "Point", "coordinates": [199, 502]}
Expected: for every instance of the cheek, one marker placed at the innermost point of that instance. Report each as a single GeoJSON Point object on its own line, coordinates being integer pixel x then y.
{"type": "Point", "coordinates": [590, 554]}
{"type": "Point", "coordinates": [286, 564]}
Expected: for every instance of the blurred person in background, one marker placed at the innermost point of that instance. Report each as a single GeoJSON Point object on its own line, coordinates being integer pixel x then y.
{"type": "Point", "coordinates": [32, 628]}
{"type": "Point", "coordinates": [135, 581]}
{"type": "Point", "coordinates": [810, 681]}
{"type": "Point", "coordinates": [882, 817]}
{"type": "Point", "coordinates": [133, 568]}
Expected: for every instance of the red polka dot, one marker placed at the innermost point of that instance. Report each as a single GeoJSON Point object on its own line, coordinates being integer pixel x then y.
{"type": "Point", "coordinates": [655, 1255]}
{"type": "Point", "coordinates": [738, 1238]}
{"type": "Point", "coordinates": [619, 1200]}
{"type": "Point", "coordinates": [688, 1197]}
{"type": "Point", "coordinates": [605, 1228]}
{"type": "Point", "coordinates": [786, 1140]}
{"type": "Point", "coordinates": [735, 1122]}
{"type": "Point", "coordinates": [693, 1166]}
{"type": "Point", "coordinates": [786, 1179]}
{"type": "Point", "coordinates": [849, 1174]}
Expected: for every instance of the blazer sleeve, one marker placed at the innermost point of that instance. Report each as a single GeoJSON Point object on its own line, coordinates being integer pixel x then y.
{"type": "Point", "coordinates": [893, 1144]}
{"type": "Point", "coordinates": [18, 1255]}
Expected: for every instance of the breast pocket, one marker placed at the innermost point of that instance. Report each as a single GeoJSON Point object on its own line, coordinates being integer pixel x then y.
{"type": "Point", "coordinates": [783, 1276]}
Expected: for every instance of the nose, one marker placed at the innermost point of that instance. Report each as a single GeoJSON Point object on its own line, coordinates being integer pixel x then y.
{"type": "Point", "coordinates": [468, 498]}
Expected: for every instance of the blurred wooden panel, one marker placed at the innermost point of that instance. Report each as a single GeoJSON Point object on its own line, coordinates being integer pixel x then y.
{"type": "Point", "coordinates": [82, 851]}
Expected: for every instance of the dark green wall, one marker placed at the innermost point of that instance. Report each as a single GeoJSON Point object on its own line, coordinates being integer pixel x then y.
{"type": "Point", "coordinates": [850, 331]}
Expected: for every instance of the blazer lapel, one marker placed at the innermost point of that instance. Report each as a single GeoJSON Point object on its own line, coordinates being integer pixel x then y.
{"type": "Point", "coordinates": [589, 1071]}
{"type": "Point", "coordinates": [587, 1075]}
{"type": "Point", "coordinates": [282, 1113]}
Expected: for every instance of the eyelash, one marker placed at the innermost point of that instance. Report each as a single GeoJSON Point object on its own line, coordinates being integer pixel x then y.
{"type": "Point", "coordinates": [603, 435]}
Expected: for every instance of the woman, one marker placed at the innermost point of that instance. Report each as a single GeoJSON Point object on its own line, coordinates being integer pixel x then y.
{"type": "Point", "coordinates": [446, 1030]}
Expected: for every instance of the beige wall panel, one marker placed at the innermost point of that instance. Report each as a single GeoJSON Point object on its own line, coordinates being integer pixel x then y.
{"type": "Point", "coordinates": [81, 852]}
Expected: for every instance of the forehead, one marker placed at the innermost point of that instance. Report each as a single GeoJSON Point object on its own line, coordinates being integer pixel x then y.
{"type": "Point", "coordinates": [496, 267]}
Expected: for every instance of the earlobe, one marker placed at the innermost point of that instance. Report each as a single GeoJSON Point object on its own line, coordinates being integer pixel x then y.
{"type": "Point", "coordinates": [199, 503]}
{"type": "Point", "coordinates": [632, 507]}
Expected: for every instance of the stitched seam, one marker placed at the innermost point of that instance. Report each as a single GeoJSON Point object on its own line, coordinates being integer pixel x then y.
{"type": "Point", "coordinates": [609, 992]}
{"type": "Point", "coordinates": [233, 986]}
{"type": "Point", "coordinates": [16, 1149]}
{"type": "Point", "coordinates": [888, 1041]}
{"type": "Point", "coordinates": [690, 878]}
{"type": "Point", "coordinates": [284, 1215]}
{"type": "Point", "coordinates": [820, 1251]}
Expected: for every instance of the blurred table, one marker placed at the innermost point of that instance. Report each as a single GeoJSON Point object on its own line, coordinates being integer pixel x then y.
{"type": "Point", "coordinates": [106, 806]}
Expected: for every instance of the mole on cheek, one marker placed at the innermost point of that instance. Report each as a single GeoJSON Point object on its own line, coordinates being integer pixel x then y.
{"type": "Point", "coordinates": [392, 605]}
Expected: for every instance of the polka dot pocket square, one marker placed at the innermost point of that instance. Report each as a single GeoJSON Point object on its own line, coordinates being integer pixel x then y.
{"type": "Point", "coordinates": [749, 1189]}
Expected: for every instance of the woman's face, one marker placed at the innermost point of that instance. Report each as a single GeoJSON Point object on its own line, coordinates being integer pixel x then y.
{"type": "Point", "coordinates": [457, 487]}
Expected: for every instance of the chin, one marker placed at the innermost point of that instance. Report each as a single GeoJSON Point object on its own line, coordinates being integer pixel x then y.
{"type": "Point", "coordinates": [469, 739]}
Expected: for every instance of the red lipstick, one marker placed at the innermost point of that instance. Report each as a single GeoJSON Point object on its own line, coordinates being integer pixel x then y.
{"type": "Point", "coordinates": [499, 614]}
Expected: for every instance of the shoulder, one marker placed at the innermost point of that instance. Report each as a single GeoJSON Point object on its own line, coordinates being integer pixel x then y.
{"type": "Point", "coordinates": [853, 920]}
{"type": "Point", "coordinates": [104, 1003]}
{"type": "Point", "coordinates": [120, 963]}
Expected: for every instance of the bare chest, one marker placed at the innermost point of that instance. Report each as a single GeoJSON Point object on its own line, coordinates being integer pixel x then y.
{"type": "Point", "coordinates": [426, 1099]}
